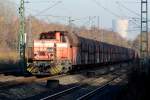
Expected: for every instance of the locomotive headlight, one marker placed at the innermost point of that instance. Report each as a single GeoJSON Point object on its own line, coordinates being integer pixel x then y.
{"type": "Point", "coordinates": [50, 49]}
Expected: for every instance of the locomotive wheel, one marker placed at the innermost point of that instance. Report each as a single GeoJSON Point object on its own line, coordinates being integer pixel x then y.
{"type": "Point", "coordinates": [66, 66]}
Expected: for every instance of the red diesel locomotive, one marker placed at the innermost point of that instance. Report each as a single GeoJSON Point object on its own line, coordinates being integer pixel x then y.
{"type": "Point", "coordinates": [58, 52]}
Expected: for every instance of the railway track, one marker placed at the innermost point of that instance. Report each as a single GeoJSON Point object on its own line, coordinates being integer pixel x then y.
{"type": "Point", "coordinates": [51, 77]}
{"type": "Point", "coordinates": [12, 81]}
{"type": "Point", "coordinates": [22, 87]}
{"type": "Point", "coordinates": [97, 90]}
{"type": "Point", "coordinates": [8, 81]}
{"type": "Point", "coordinates": [80, 92]}
{"type": "Point", "coordinates": [63, 93]}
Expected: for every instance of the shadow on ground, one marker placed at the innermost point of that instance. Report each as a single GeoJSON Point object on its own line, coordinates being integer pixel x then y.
{"type": "Point", "coordinates": [138, 87]}
{"type": "Point", "coordinates": [11, 68]}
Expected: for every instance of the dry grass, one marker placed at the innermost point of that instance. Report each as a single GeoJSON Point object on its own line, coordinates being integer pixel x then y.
{"type": "Point", "coordinates": [9, 57]}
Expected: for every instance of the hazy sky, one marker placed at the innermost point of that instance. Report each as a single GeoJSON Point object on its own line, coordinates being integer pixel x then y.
{"type": "Point", "coordinates": [107, 10]}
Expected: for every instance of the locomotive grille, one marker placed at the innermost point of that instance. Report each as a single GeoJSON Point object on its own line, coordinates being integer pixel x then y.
{"type": "Point", "coordinates": [50, 49]}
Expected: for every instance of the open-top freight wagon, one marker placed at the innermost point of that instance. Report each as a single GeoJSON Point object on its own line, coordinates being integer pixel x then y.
{"type": "Point", "coordinates": [59, 52]}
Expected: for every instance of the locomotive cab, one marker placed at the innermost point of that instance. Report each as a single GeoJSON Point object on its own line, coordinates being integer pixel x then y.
{"type": "Point", "coordinates": [50, 52]}
{"type": "Point", "coordinates": [55, 36]}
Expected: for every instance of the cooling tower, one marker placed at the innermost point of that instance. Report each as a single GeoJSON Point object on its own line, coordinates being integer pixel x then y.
{"type": "Point", "coordinates": [121, 27]}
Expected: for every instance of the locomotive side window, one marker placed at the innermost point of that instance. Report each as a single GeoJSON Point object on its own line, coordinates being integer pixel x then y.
{"type": "Point", "coordinates": [63, 38]}
{"type": "Point", "coordinates": [49, 35]}
{"type": "Point", "coordinates": [42, 36]}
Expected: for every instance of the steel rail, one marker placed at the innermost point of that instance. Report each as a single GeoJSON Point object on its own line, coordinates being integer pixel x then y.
{"type": "Point", "coordinates": [91, 93]}
{"type": "Point", "coordinates": [61, 93]}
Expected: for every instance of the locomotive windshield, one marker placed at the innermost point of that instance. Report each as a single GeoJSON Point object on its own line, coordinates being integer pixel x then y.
{"type": "Point", "coordinates": [49, 35]}
{"type": "Point", "coordinates": [59, 36]}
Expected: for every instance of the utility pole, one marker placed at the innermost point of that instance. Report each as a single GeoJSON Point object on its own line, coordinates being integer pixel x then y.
{"type": "Point", "coordinates": [70, 20]}
{"type": "Point", "coordinates": [98, 27]}
{"type": "Point", "coordinates": [98, 22]}
{"type": "Point", "coordinates": [144, 34]}
{"type": "Point", "coordinates": [22, 34]}
{"type": "Point", "coordinates": [30, 32]}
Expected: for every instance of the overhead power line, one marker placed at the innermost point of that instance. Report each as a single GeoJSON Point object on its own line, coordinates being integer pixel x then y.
{"type": "Point", "coordinates": [130, 2]}
{"type": "Point", "coordinates": [106, 9]}
{"type": "Point", "coordinates": [38, 1]}
{"type": "Point", "coordinates": [133, 12]}
{"type": "Point", "coordinates": [43, 11]}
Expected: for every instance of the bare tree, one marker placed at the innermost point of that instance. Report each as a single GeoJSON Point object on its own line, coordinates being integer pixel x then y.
{"type": "Point", "coordinates": [7, 19]}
